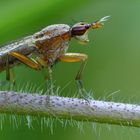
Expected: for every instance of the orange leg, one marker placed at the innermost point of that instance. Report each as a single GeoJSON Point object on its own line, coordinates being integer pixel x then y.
{"type": "Point", "coordinates": [77, 57]}
{"type": "Point", "coordinates": [35, 64]}
{"type": "Point", "coordinates": [24, 59]}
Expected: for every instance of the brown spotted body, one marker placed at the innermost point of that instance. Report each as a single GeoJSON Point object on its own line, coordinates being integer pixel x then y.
{"type": "Point", "coordinates": [52, 42]}
{"type": "Point", "coordinates": [47, 46]}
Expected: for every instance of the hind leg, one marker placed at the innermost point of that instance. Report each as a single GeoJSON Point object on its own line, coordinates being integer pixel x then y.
{"type": "Point", "coordinates": [10, 76]}
{"type": "Point", "coordinates": [6, 83]}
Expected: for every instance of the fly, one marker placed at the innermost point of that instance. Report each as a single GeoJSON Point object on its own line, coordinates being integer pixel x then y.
{"type": "Point", "coordinates": [48, 45]}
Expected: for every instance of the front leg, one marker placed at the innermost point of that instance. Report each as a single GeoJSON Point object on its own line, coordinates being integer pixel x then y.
{"type": "Point", "coordinates": [77, 57]}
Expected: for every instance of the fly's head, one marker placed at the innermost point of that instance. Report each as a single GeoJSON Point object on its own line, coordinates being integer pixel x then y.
{"type": "Point", "coordinates": [80, 30]}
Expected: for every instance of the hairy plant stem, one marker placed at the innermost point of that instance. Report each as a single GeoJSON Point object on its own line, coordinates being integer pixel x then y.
{"type": "Point", "coordinates": [69, 108]}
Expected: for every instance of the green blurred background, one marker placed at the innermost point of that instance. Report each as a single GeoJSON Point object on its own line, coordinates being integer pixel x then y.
{"type": "Point", "coordinates": [114, 57]}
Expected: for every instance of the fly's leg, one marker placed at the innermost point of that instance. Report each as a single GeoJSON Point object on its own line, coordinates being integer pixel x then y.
{"type": "Point", "coordinates": [35, 64]}
{"type": "Point", "coordinates": [22, 58]}
{"type": "Point", "coordinates": [50, 81]}
{"type": "Point", "coordinates": [77, 57]}
{"type": "Point", "coordinates": [9, 75]}
{"type": "Point", "coordinates": [26, 60]}
{"type": "Point", "coordinates": [7, 71]}
{"type": "Point", "coordinates": [7, 68]}
{"type": "Point", "coordinates": [48, 78]}
{"type": "Point", "coordinates": [79, 82]}
{"type": "Point", "coordinates": [13, 77]}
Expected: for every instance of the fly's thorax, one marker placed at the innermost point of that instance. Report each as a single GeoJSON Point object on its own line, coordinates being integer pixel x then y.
{"type": "Point", "coordinates": [52, 41]}
{"type": "Point", "coordinates": [52, 31]}
{"type": "Point", "coordinates": [52, 37]}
